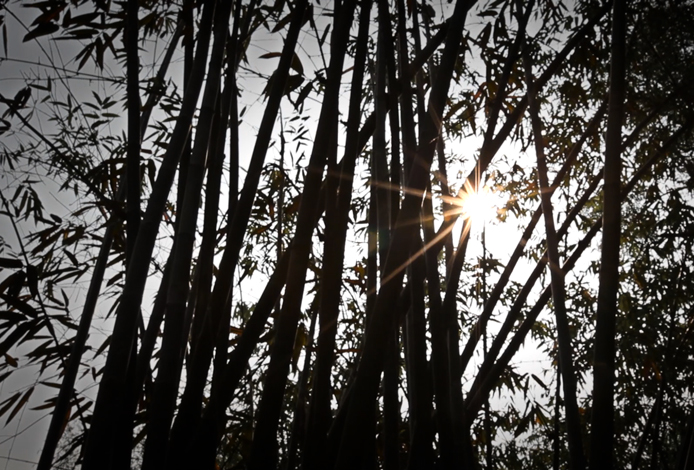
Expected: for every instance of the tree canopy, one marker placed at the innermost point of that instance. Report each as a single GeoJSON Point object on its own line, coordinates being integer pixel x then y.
{"type": "Point", "coordinates": [309, 234]}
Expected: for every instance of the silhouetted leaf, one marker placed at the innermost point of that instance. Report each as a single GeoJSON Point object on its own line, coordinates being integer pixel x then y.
{"type": "Point", "coordinates": [10, 263]}
{"type": "Point", "coordinates": [42, 29]}
{"type": "Point", "coordinates": [22, 402]}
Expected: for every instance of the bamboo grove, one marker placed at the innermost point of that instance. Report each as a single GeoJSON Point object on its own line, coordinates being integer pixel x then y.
{"type": "Point", "coordinates": [261, 257]}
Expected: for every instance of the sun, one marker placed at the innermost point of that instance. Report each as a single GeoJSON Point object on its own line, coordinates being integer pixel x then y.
{"type": "Point", "coordinates": [478, 205]}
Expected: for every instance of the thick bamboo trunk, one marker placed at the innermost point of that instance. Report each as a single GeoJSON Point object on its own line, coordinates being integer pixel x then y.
{"type": "Point", "coordinates": [188, 63]}
{"type": "Point", "coordinates": [394, 89]}
{"type": "Point", "coordinates": [218, 303]}
{"type": "Point", "coordinates": [387, 195]}
{"type": "Point", "coordinates": [191, 404]}
{"type": "Point", "coordinates": [556, 438]}
{"type": "Point", "coordinates": [602, 419]}
{"type": "Point", "coordinates": [298, 431]}
{"type": "Point", "coordinates": [229, 113]}
{"type": "Point", "coordinates": [370, 366]}
{"type": "Point", "coordinates": [191, 400]}
{"type": "Point", "coordinates": [421, 453]}
{"type": "Point", "coordinates": [132, 55]}
{"type": "Point", "coordinates": [109, 400]}
{"type": "Point", "coordinates": [337, 218]}
{"type": "Point", "coordinates": [447, 241]}
{"type": "Point", "coordinates": [437, 324]}
{"type": "Point", "coordinates": [449, 313]}
{"type": "Point", "coordinates": [264, 448]}
{"type": "Point", "coordinates": [173, 343]}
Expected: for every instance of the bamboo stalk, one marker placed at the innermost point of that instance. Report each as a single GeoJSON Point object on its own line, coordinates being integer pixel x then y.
{"type": "Point", "coordinates": [264, 448]}
{"type": "Point", "coordinates": [386, 203]}
{"type": "Point", "coordinates": [123, 336]}
{"type": "Point", "coordinates": [602, 419]}
{"type": "Point", "coordinates": [173, 343]}
{"type": "Point", "coordinates": [573, 423]}
{"type": "Point", "coordinates": [366, 383]}
{"type": "Point", "coordinates": [201, 344]}
{"type": "Point", "coordinates": [336, 223]}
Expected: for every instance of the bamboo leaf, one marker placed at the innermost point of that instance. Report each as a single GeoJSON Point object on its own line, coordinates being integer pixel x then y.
{"type": "Point", "coordinates": [42, 29]}
{"type": "Point", "coordinates": [540, 382]}
{"type": "Point", "coordinates": [4, 38]}
{"type": "Point", "coordinates": [282, 23]}
{"type": "Point", "coordinates": [20, 305]}
{"type": "Point", "coordinates": [296, 64]}
{"type": "Point", "coordinates": [5, 375]}
{"type": "Point", "coordinates": [11, 360]}
{"type": "Point", "coordinates": [271, 55]}
{"type": "Point", "coordinates": [10, 263]}
{"type": "Point", "coordinates": [22, 402]}
{"type": "Point", "coordinates": [7, 404]}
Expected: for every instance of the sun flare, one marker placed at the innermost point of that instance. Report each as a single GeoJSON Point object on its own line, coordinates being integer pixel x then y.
{"type": "Point", "coordinates": [479, 205]}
